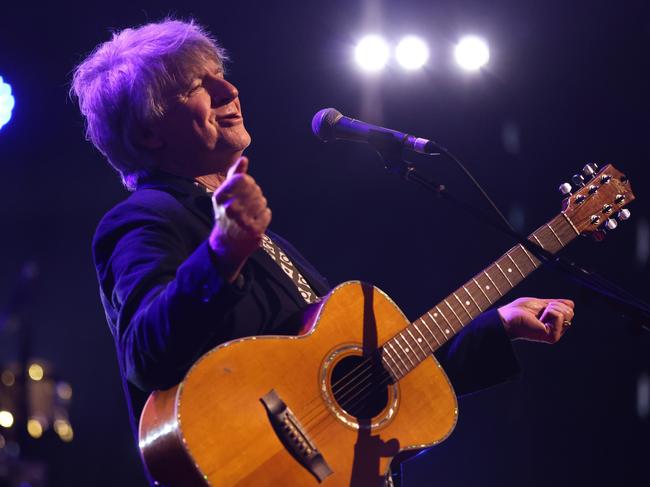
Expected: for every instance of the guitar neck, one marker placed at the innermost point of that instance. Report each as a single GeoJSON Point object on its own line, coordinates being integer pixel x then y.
{"type": "Point", "coordinates": [403, 352]}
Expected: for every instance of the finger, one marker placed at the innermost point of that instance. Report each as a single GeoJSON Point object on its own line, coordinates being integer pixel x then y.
{"type": "Point", "coordinates": [539, 332]}
{"type": "Point", "coordinates": [554, 321]}
{"type": "Point", "coordinates": [568, 302]}
{"type": "Point", "coordinates": [566, 311]}
{"type": "Point", "coordinates": [239, 167]}
{"type": "Point", "coordinates": [238, 186]}
{"type": "Point", "coordinates": [256, 206]}
{"type": "Point", "coordinates": [255, 227]}
{"type": "Point", "coordinates": [263, 220]}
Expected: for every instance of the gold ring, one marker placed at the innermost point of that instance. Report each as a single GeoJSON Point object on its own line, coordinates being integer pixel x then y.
{"type": "Point", "coordinates": [566, 324]}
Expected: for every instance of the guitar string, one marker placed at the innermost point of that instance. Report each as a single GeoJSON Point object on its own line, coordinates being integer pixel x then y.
{"type": "Point", "coordinates": [353, 383]}
{"type": "Point", "coordinates": [365, 362]}
{"type": "Point", "coordinates": [343, 383]}
{"type": "Point", "coordinates": [363, 366]}
{"type": "Point", "coordinates": [359, 381]}
{"type": "Point", "coordinates": [360, 396]}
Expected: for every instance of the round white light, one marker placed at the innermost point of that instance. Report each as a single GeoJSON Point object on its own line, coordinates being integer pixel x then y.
{"type": "Point", "coordinates": [6, 419]}
{"type": "Point", "coordinates": [472, 53]}
{"type": "Point", "coordinates": [7, 102]}
{"type": "Point", "coordinates": [371, 53]}
{"type": "Point", "coordinates": [412, 52]}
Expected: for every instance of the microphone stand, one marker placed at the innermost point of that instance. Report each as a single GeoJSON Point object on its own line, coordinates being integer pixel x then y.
{"type": "Point", "coordinates": [390, 151]}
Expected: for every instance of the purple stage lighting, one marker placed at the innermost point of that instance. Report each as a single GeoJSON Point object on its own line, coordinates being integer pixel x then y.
{"type": "Point", "coordinates": [372, 53]}
{"type": "Point", "coordinates": [7, 103]}
{"type": "Point", "coordinates": [412, 52]}
{"type": "Point", "coordinates": [472, 53]}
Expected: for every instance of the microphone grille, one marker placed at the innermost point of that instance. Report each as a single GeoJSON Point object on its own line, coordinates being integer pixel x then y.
{"type": "Point", "coordinates": [323, 123]}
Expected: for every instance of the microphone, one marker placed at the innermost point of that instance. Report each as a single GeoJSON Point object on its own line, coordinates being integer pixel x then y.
{"type": "Point", "coordinates": [329, 124]}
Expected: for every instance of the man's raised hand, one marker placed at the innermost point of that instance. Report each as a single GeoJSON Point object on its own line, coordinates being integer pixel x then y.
{"type": "Point", "coordinates": [241, 218]}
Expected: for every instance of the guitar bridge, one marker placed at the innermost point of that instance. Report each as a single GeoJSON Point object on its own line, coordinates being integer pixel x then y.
{"type": "Point", "coordinates": [294, 437]}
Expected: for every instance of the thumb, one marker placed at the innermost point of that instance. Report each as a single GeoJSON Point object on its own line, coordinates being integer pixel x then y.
{"type": "Point", "coordinates": [239, 167]}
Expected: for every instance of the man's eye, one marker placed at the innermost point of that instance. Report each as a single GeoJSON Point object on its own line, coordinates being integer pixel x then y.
{"type": "Point", "coordinates": [194, 89]}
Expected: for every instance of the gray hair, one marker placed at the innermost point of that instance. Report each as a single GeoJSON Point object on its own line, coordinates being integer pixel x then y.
{"type": "Point", "coordinates": [125, 83]}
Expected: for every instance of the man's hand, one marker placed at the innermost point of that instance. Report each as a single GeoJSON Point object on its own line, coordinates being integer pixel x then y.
{"type": "Point", "coordinates": [241, 218]}
{"type": "Point", "coordinates": [540, 320]}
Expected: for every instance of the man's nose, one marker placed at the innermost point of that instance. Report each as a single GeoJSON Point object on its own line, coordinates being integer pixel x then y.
{"type": "Point", "coordinates": [222, 91]}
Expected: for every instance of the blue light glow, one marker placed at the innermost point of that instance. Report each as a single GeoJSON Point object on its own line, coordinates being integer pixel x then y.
{"type": "Point", "coordinates": [7, 103]}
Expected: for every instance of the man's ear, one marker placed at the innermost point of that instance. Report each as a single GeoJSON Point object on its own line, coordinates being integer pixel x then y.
{"type": "Point", "coordinates": [148, 138]}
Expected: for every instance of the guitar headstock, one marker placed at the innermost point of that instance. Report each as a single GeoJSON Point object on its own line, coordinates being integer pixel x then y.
{"type": "Point", "coordinates": [598, 199]}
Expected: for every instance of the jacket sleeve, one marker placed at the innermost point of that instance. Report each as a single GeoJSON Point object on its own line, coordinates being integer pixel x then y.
{"type": "Point", "coordinates": [163, 300]}
{"type": "Point", "coordinates": [480, 356]}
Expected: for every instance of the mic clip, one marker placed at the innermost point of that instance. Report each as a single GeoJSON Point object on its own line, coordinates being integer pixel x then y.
{"type": "Point", "coordinates": [390, 149]}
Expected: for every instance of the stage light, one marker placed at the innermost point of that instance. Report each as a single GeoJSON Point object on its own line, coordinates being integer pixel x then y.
{"type": "Point", "coordinates": [412, 52]}
{"type": "Point", "coordinates": [472, 53]}
{"type": "Point", "coordinates": [64, 430]}
{"type": "Point", "coordinates": [7, 103]}
{"type": "Point", "coordinates": [8, 378]}
{"type": "Point", "coordinates": [6, 419]}
{"type": "Point", "coordinates": [34, 428]}
{"type": "Point", "coordinates": [64, 391]}
{"type": "Point", "coordinates": [35, 372]}
{"type": "Point", "coordinates": [371, 53]}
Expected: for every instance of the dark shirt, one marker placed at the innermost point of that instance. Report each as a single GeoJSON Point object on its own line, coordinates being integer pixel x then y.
{"type": "Point", "coordinates": [166, 304]}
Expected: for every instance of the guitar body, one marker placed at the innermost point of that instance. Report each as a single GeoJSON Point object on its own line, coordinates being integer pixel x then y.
{"type": "Point", "coordinates": [214, 428]}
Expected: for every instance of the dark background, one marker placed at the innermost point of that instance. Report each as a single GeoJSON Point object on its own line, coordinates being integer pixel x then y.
{"type": "Point", "coordinates": [568, 80]}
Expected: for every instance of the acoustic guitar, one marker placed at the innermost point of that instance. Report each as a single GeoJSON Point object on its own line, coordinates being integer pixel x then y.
{"type": "Point", "coordinates": [334, 405]}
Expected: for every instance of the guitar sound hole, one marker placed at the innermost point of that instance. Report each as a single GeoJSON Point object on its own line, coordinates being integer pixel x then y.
{"type": "Point", "coordinates": [360, 386]}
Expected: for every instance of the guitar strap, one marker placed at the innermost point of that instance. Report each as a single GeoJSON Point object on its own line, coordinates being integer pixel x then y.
{"type": "Point", "coordinates": [280, 258]}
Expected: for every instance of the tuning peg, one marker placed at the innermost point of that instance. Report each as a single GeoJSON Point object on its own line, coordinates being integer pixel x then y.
{"type": "Point", "coordinates": [589, 170]}
{"type": "Point", "coordinates": [611, 224]}
{"type": "Point", "coordinates": [565, 189]}
{"type": "Point", "coordinates": [624, 214]}
{"type": "Point", "coordinates": [577, 180]}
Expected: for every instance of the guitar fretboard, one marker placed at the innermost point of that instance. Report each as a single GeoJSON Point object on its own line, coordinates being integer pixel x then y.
{"type": "Point", "coordinates": [403, 352]}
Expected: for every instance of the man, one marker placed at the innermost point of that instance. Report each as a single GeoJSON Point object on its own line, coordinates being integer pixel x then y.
{"type": "Point", "coordinates": [179, 263]}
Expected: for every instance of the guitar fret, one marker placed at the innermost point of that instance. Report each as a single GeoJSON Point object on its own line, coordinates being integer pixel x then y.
{"type": "Point", "coordinates": [463, 306]}
{"type": "Point", "coordinates": [404, 350]}
{"type": "Point", "coordinates": [431, 331]}
{"type": "Point", "coordinates": [555, 234]}
{"type": "Point", "coordinates": [473, 300]}
{"type": "Point", "coordinates": [417, 342]}
{"type": "Point", "coordinates": [515, 264]}
{"type": "Point", "coordinates": [528, 255]}
{"type": "Point", "coordinates": [390, 356]}
{"type": "Point", "coordinates": [385, 361]}
{"type": "Point", "coordinates": [481, 289]}
{"type": "Point", "coordinates": [504, 275]}
{"type": "Point", "coordinates": [445, 318]}
{"type": "Point", "coordinates": [538, 242]}
{"type": "Point", "coordinates": [399, 357]}
{"type": "Point", "coordinates": [495, 286]}
{"type": "Point", "coordinates": [425, 338]}
{"type": "Point", "coordinates": [454, 312]}
{"type": "Point", "coordinates": [405, 337]}
{"type": "Point", "coordinates": [436, 323]}
{"type": "Point", "coordinates": [570, 222]}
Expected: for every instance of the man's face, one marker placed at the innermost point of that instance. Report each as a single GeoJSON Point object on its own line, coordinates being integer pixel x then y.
{"type": "Point", "coordinates": [202, 131]}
